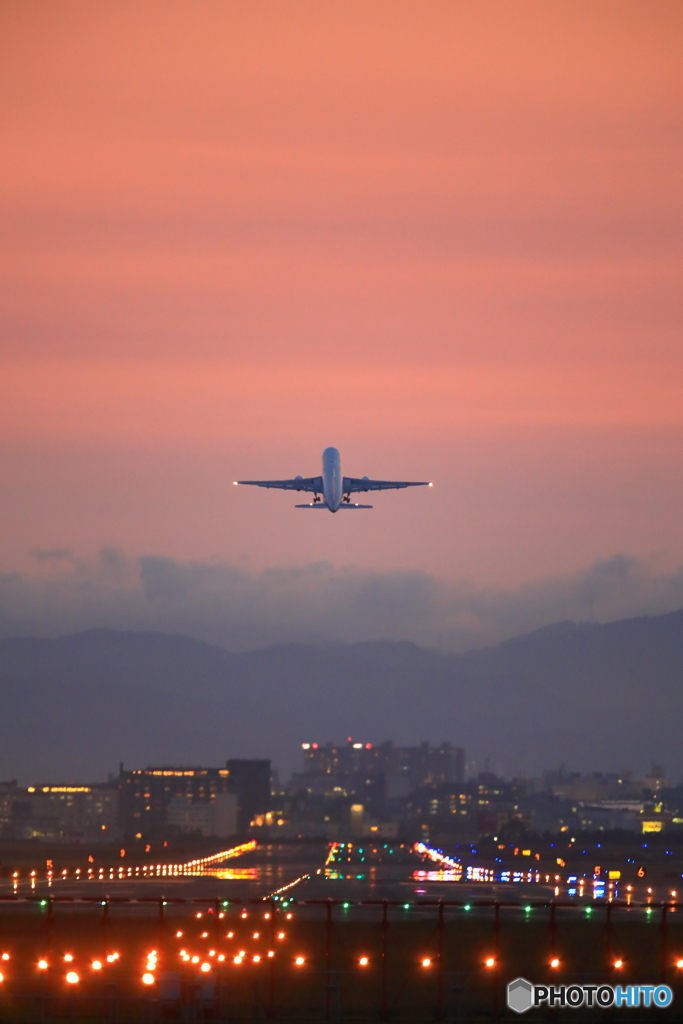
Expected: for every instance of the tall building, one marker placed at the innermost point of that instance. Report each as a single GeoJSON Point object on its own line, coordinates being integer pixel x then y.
{"type": "Point", "coordinates": [249, 780]}
{"type": "Point", "coordinates": [62, 811]}
{"type": "Point", "coordinates": [147, 793]}
{"type": "Point", "coordinates": [217, 818]}
{"type": "Point", "coordinates": [356, 767]}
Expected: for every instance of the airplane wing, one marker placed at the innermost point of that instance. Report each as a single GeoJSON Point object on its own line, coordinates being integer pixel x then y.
{"type": "Point", "coordinates": [299, 483]}
{"type": "Point", "coordinates": [353, 484]}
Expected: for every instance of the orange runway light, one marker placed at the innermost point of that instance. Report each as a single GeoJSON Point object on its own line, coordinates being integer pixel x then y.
{"type": "Point", "coordinates": [555, 962]}
{"type": "Point", "coordinates": [221, 957]}
{"type": "Point", "coordinates": [5, 956]}
{"type": "Point", "coordinates": [281, 935]}
{"type": "Point", "coordinates": [299, 961]}
{"type": "Point", "coordinates": [427, 962]}
{"type": "Point", "coordinates": [205, 935]}
{"type": "Point", "coordinates": [147, 979]}
{"type": "Point", "coordinates": [237, 960]}
{"type": "Point", "coordinates": [230, 935]}
{"type": "Point", "coordinates": [205, 967]}
{"type": "Point", "coordinates": [72, 978]}
{"type": "Point", "coordinates": [618, 964]}
{"type": "Point", "coordinates": [96, 965]}
{"type": "Point", "coordinates": [256, 935]}
{"type": "Point", "coordinates": [363, 961]}
{"type": "Point", "coordinates": [68, 957]}
{"type": "Point", "coordinates": [271, 952]}
{"type": "Point", "coordinates": [679, 964]}
{"type": "Point", "coordinates": [490, 962]}
{"type": "Point", "coordinates": [289, 916]}
{"type": "Point", "coordinates": [257, 959]}
{"type": "Point", "coordinates": [2, 977]}
{"type": "Point", "coordinates": [195, 959]}
{"type": "Point", "coordinates": [42, 965]}
{"type": "Point", "coordinates": [178, 935]}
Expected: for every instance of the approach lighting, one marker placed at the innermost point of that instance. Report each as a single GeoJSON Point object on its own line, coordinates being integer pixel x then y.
{"type": "Point", "coordinates": [148, 979]}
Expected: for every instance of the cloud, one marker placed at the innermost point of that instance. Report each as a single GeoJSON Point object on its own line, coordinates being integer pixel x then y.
{"type": "Point", "coordinates": [227, 605]}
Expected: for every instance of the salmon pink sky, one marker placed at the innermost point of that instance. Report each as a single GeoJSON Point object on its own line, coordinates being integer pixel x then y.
{"type": "Point", "coordinates": [444, 237]}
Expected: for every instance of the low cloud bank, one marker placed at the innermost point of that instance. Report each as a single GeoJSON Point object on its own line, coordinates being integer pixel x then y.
{"type": "Point", "coordinates": [226, 605]}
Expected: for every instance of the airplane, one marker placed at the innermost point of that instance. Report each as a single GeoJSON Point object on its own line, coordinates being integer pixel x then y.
{"type": "Point", "coordinates": [336, 490]}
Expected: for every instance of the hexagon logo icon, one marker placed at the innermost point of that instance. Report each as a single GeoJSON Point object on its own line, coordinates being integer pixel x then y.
{"type": "Point", "coordinates": [520, 995]}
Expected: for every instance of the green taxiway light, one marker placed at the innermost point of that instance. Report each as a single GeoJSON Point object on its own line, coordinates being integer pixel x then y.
{"type": "Point", "coordinates": [589, 910]}
{"type": "Point", "coordinates": [406, 906]}
{"type": "Point", "coordinates": [346, 906]}
{"type": "Point", "coordinates": [467, 907]}
{"type": "Point", "coordinates": [527, 909]}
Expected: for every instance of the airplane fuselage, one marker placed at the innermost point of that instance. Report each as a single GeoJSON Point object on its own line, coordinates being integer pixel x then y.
{"type": "Point", "coordinates": [333, 481]}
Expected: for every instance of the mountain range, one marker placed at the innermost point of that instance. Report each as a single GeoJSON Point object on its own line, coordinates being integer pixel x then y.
{"type": "Point", "coordinates": [592, 696]}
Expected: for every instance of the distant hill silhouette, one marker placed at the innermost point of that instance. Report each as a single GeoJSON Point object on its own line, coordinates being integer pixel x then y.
{"type": "Point", "coordinates": [595, 696]}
